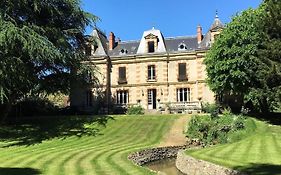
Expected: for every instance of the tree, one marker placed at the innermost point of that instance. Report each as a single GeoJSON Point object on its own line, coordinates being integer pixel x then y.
{"type": "Point", "coordinates": [237, 64]}
{"type": "Point", "coordinates": [272, 27]}
{"type": "Point", "coordinates": [41, 42]}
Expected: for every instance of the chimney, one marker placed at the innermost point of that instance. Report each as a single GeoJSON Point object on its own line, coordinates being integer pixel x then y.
{"type": "Point", "coordinates": [111, 41]}
{"type": "Point", "coordinates": [199, 34]}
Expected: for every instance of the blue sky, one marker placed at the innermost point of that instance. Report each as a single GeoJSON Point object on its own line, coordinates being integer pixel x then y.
{"type": "Point", "coordinates": [129, 18]}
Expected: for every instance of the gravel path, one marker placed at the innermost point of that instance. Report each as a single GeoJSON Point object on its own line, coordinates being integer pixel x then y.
{"type": "Point", "coordinates": [176, 136]}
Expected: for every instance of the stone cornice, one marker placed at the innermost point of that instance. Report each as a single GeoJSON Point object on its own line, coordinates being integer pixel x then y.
{"type": "Point", "coordinates": [158, 84]}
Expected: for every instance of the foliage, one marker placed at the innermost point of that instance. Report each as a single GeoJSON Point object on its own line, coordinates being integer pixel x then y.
{"type": "Point", "coordinates": [135, 110]}
{"type": "Point", "coordinates": [222, 129]}
{"type": "Point", "coordinates": [239, 63]}
{"type": "Point", "coordinates": [41, 47]}
{"type": "Point", "coordinates": [34, 106]}
{"type": "Point", "coordinates": [58, 99]}
{"type": "Point", "coordinates": [212, 109]}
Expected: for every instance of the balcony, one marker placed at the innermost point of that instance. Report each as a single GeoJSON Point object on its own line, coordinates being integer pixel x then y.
{"type": "Point", "coordinates": [182, 78]}
{"type": "Point", "coordinates": [181, 107]}
{"type": "Point", "coordinates": [122, 81]}
{"type": "Point", "coordinates": [151, 79]}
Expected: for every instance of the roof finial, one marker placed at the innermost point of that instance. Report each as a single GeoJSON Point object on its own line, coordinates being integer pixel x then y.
{"type": "Point", "coordinates": [217, 14]}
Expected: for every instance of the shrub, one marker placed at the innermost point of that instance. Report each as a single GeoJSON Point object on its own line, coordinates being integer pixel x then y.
{"type": "Point", "coordinates": [34, 106]}
{"type": "Point", "coordinates": [209, 130]}
{"type": "Point", "coordinates": [212, 109]}
{"type": "Point", "coordinates": [135, 110]}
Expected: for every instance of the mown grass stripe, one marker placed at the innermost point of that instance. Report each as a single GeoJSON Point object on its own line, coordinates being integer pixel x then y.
{"type": "Point", "coordinates": [118, 157]}
{"type": "Point", "coordinates": [249, 144]}
{"type": "Point", "coordinates": [90, 149]}
{"type": "Point", "coordinates": [98, 168]}
{"type": "Point", "coordinates": [262, 148]}
{"type": "Point", "coordinates": [100, 162]}
{"type": "Point", "coordinates": [63, 146]}
{"type": "Point", "coordinates": [76, 156]}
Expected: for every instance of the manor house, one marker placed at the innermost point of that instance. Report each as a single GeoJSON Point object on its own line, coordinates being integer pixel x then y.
{"type": "Point", "coordinates": [155, 72]}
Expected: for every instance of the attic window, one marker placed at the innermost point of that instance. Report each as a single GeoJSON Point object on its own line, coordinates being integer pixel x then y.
{"type": "Point", "coordinates": [216, 36]}
{"type": "Point", "coordinates": [182, 46]}
{"type": "Point", "coordinates": [123, 51]}
{"type": "Point", "coordinates": [151, 47]}
{"type": "Point", "coordinates": [95, 48]}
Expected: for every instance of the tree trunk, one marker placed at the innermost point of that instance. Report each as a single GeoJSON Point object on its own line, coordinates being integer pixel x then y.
{"type": "Point", "coordinates": [5, 112]}
{"type": "Point", "coordinates": [264, 106]}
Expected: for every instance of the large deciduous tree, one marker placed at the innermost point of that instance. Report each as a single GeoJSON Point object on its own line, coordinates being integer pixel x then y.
{"type": "Point", "coordinates": [41, 42]}
{"type": "Point", "coordinates": [240, 61]}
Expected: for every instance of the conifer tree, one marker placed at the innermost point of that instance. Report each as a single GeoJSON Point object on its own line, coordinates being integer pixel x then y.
{"type": "Point", "coordinates": [41, 42]}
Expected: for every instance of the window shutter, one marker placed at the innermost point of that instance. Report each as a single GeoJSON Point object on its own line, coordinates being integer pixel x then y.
{"type": "Point", "coordinates": [149, 72]}
{"type": "Point", "coordinates": [122, 75]}
{"type": "Point", "coordinates": [182, 71]}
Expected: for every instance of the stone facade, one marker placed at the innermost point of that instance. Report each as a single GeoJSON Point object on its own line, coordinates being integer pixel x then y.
{"type": "Point", "coordinates": [154, 72]}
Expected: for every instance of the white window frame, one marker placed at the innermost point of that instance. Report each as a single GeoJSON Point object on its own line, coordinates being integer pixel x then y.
{"type": "Point", "coordinates": [152, 70]}
{"type": "Point", "coordinates": [183, 95]}
{"type": "Point", "coordinates": [122, 97]}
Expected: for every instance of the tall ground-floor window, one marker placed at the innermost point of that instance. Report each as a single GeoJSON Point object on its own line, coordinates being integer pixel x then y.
{"type": "Point", "coordinates": [122, 97]}
{"type": "Point", "coordinates": [183, 94]}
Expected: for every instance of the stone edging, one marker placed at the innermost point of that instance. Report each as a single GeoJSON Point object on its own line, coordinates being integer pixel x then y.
{"type": "Point", "coordinates": [192, 166]}
{"type": "Point", "coordinates": [154, 154]}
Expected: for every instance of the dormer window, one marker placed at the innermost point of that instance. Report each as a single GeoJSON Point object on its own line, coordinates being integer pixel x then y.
{"type": "Point", "coordinates": [95, 48]}
{"type": "Point", "coordinates": [152, 43]}
{"type": "Point", "coordinates": [182, 47]}
{"type": "Point", "coordinates": [123, 51]}
{"type": "Point", "coordinates": [216, 36]}
{"type": "Point", "coordinates": [151, 47]}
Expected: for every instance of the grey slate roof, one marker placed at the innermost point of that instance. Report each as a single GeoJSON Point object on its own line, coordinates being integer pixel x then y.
{"type": "Point", "coordinates": [217, 25]}
{"type": "Point", "coordinates": [172, 45]}
{"type": "Point", "coordinates": [130, 47]}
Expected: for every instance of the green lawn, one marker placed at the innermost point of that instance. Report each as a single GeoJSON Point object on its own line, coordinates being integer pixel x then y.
{"type": "Point", "coordinates": [102, 152]}
{"type": "Point", "coordinates": [258, 154]}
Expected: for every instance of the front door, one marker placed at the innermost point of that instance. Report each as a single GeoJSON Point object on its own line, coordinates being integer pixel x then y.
{"type": "Point", "coordinates": [151, 96]}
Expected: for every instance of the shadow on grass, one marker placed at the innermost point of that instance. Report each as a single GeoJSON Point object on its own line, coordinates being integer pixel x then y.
{"type": "Point", "coordinates": [261, 169]}
{"type": "Point", "coordinates": [19, 171]}
{"type": "Point", "coordinates": [272, 118]}
{"type": "Point", "coordinates": [35, 131]}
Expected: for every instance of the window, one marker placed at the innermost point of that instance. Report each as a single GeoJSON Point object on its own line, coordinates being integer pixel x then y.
{"type": "Point", "coordinates": [151, 48]}
{"type": "Point", "coordinates": [123, 51]}
{"type": "Point", "coordinates": [151, 75]}
{"type": "Point", "coordinates": [216, 36]}
{"type": "Point", "coordinates": [89, 98]}
{"type": "Point", "coordinates": [183, 94]}
{"type": "Point", "coordinates": [182, 47]}
{"type": "Point", "coordinates": [95, 48]}
{"type": "Point", "coordinates": [122, 97]}
{"type": "Point", "coordinates": [182, 72]}
{"type": "Point", "coordinates": [122, 75]}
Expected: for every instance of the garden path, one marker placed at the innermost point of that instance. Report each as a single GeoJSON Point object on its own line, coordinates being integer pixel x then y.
{"type": "Point", "coordinates": [176, 136]}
